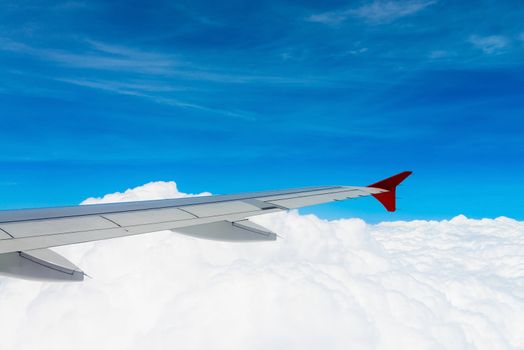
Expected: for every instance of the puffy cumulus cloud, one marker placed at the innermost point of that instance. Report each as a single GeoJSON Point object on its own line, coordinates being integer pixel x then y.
{"type": "Point", "coordinates": [340, 284]}
{"type": "Point", "coordinates": [149, 191]}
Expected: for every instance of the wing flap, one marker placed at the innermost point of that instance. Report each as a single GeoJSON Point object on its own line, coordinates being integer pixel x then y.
{"type": "Point", "coordinates": [41, 264]}
{"type": "Point", "coordinates": [237, 231]}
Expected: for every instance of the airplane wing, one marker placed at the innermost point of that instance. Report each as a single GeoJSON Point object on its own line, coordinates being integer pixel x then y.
{"type": "Point", "coordinates": [26, 235]}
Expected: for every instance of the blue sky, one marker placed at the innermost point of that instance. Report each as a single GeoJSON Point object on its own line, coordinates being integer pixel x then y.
{"type": "Point", "coordinates": [97, 97]}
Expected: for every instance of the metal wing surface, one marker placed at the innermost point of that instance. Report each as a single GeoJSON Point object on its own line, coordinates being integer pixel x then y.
{"type": "Point", "coordinates": [25, 235]}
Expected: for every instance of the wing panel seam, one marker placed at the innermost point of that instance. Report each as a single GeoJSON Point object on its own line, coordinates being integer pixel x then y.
{"type": "Point", "coordinates": [111, 221]}
{"type": "Point", "coordinates": [187, 212]}
{"type": "Point", "coordinates": [7, 233]}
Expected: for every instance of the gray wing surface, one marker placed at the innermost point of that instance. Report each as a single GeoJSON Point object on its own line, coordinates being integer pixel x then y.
{"type": "Point", "coordinates": [25, 235]}
{"type": "Point", "coordinates": [22, 230]}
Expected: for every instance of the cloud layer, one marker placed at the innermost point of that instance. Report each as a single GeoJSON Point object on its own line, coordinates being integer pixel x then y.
{"type": "Point", "coordinates": [454, 284]}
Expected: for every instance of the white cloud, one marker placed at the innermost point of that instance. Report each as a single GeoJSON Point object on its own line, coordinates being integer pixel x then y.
{"type": "Point", "coordinates": [332, 17]}
{"type": "Point", "coordinates": [385, 11]}
{"type": "Point", "coordinates": [376, 12]}
{"type": "Point", "coordinates": [149, 191]}
{"type": "Point", "coordinates": [99, 56]}
{"type": "Point", "coordinates": [453, 284]}
{"type": "Point", "coordinates": [489, 44]}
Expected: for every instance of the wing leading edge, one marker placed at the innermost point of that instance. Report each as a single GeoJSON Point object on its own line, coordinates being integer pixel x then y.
{"type": "Point", "coordinates": [25, 234]}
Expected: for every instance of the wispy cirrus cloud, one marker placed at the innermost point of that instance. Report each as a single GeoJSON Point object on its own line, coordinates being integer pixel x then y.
{"type": "Point", "coordinates": [97, 56]}
{"type": "Point", "coordinates": [156, 76]}
{"type": "Point", "coordinates": [376, 12]}
{"type": "Point", "coordinates": [116, 58]}
{"type": "Point", "coordinates": [130, 87]}
{"type": "Point", "coordinates": [152, 92]}
{"type": "Point", "coordinates": [490, 44]}
{"type": "Point", "coordinates": [385, 11]}
{"type": "Point", "coordinates": [332, 17]}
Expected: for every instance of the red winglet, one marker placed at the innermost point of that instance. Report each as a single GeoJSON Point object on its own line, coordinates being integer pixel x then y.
{"type": "Point", "coordinates": [390, 184]}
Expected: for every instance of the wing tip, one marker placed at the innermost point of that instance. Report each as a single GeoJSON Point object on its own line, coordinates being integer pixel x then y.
{"type": "Point", "coordinates": [388, 199]}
